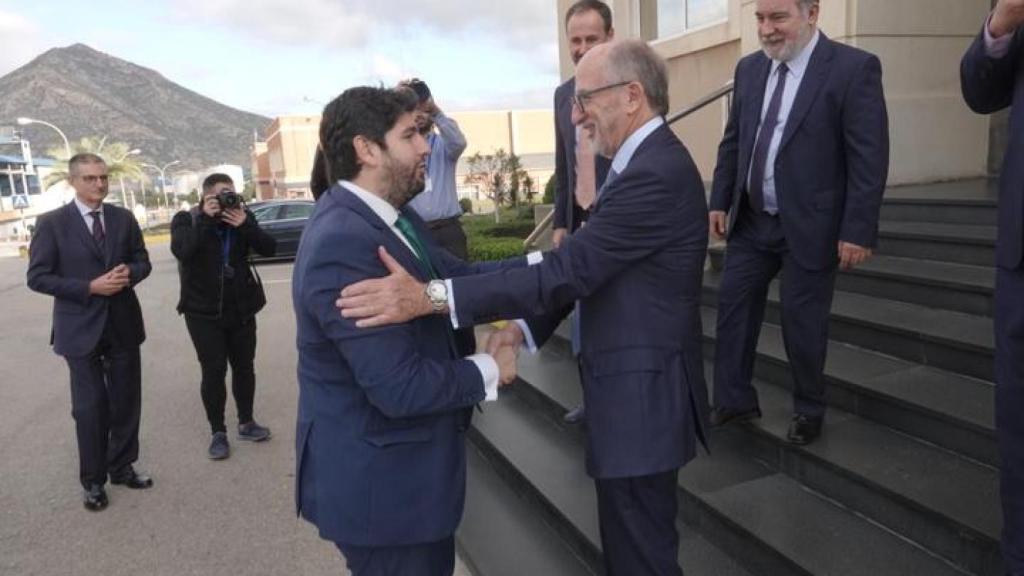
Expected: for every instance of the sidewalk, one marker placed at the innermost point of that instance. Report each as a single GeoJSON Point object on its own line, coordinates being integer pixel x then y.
{"type": "Point", "coordinates": [9, 249]}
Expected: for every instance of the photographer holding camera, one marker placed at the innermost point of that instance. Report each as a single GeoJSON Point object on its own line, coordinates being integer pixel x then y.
{"type": "Point", "coordinates": [220, 297]}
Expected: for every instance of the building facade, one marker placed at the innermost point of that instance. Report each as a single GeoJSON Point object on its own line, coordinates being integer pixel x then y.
{"type": "Point", "coordinates": [933, 135]}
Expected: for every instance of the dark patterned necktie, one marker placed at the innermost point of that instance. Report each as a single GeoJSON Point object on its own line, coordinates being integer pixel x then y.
{"type": "Point", "coordinates": [764, 141]}
{"type": "Point", "coordinates": [97, 227]}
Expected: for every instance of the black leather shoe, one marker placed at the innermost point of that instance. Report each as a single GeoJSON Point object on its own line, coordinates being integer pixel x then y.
{"type": "Point", "coordinates": [132, 479]}
{"type": "Point", "coordinates": [95, 498]}
{"type": "Point", "coordinates": [803, 429]}
{"type": "Point", "coordinates": [576, 415]}
{"type": "Point", "coordinates": [722, 416]}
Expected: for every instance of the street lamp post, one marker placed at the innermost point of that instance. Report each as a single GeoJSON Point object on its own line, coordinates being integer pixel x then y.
{"type": "Point", "coordinates": [163, 179]}
{"type": "Point", "coordinates": [120, 177]}
{"type": "Point", "coordinates": [26, 121]}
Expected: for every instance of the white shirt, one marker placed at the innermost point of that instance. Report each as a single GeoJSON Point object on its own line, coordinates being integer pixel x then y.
{"type": "Point", "coordinates": [797, 67]}
{"type": "Point", "coordinates": [86, 213]}
{"type": "Point", "coordinates": [485, 363]}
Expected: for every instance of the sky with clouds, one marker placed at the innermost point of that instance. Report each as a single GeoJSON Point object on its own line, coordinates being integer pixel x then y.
{"type": "Point", "coordinates": [277, 57]}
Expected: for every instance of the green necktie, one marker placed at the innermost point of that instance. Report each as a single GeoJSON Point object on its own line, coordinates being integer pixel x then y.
{"type": "Point", "coordinates": [405, 227]}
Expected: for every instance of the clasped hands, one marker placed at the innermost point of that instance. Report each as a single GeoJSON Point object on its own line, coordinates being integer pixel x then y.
{"type": "Point", "coordinates": [399, 297]}
{"type": "Point", "coordinates": [111, 282]}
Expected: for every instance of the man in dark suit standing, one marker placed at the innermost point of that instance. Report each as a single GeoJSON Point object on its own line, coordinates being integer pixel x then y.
{"type": "Point", "coordinates": [579, 169]}
{"type": "Point", "coordinates": [89, 256]}
{"type": "Point", "coordinates": [636, 269]}
{"type": "Point", "coordinates": [991, 78]}
{"type": "Point", "coordinates": [798, 188]}
{"type": "Point", "coordinates": [380, 440]}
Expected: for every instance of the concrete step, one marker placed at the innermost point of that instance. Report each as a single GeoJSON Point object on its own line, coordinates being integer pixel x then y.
{"type": "Point", "coordinates": [951, 341]}
{"type": "Point", "coordinates": [945, 285]}
{"type": "Point", "coordinates": [945, 502]}
{"type": "Point", "coordinates": [503, 534]}
{"type": "Point", "coordinates": [962, 243]}
{"type": "Point", "coordinates": [767, 520]}
{"type": "Point", "coordinates": [944, 408]}
{"type": "Point", "coordinates": [544, 464]}
{"type": "Point", "coordinates": [959, 202]}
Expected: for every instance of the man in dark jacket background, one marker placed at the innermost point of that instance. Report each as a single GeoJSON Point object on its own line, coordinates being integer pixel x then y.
{"type": "Point", "coordinates": [220, 297]}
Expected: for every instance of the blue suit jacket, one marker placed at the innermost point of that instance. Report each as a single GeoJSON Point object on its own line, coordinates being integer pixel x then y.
{"type": "Point", "coordinates": [636, 268]}
{"type": "Point", "coordinates": [989, 86]}
{"type": "Point", "coordinates": [64, 259]}
{"type": "Point", "coordinates": [833, 160]}
{"type": "Point", "coordinates": [382, 412]}
{"type": "Point", "coordinates": [568, 214]}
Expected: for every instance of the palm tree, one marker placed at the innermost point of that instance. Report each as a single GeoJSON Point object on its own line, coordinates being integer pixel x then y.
{"type": "Point", "coordinates": [120, 162]}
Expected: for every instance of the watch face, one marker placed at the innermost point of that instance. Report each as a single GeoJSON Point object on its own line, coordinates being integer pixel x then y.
{"type": "Point", "coordinates": [437, 291]}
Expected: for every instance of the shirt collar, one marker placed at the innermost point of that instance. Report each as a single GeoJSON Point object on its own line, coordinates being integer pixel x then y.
{"type": "Point", "coordinates": [798, 64]}
{"type": "Point", "coordinates": [380, 206]}
{"type": "Point", "coordinates": [628, 148]}
{"type": "Point", "coordinates": [85, 210]}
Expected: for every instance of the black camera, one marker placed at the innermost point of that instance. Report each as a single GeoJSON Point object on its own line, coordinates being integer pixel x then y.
{"type": "Point", "coordinates": [228, 199]}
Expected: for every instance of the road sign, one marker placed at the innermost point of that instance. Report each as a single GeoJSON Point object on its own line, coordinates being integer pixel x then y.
{"type": "Point", "coordinates": [20, 201]}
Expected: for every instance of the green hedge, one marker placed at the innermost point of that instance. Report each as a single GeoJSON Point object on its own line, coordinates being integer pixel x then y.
{"type": "Point", "coordinates": [483, 248]}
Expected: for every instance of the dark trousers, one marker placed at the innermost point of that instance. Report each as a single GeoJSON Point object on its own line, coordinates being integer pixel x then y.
{"type": "Point", "coordinates": [638, 525]}
{"type": "Point", "coordinates": [448, 233]}
{"type": "Point", "coordinates": [757, 252]}
{"type": "Point", "coordinates": [106, 403]}
{"type": "Point", "coordinates": [219, 342]}
{"type": "Point", "coordinates": [433, 559]}
{"type": "Point", "coordinates": [1009, 336]}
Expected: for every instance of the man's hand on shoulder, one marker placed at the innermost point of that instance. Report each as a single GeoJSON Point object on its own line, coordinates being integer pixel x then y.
{"type": "Point", "coordinates": [393, 299]}
{"type": "Point", "coordinates": [1006, 18]}
{"type": "Point", "coordinates": [851, 255]}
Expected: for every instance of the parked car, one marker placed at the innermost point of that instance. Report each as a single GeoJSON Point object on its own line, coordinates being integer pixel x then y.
{"type": "Point", "coordinates": [284, 220]}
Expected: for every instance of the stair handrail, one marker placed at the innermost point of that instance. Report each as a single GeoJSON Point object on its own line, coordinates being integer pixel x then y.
{"type": "Point", "coordinates": [720, 92]}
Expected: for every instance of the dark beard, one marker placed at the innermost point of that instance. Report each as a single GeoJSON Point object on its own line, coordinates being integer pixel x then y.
{"type": "Point", "coordinates": [402, 184]}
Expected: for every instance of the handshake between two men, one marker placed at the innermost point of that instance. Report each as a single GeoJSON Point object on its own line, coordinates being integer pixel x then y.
{"type": "Point", "coordinates": [399, 297]}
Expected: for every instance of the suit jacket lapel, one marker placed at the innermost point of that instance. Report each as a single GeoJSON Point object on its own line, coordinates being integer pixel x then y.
{"type": "Point", "coordinates": [751, 119]}
{"type": "Point", "coordinates": [82, 230]}
{"type": "Point", "coordinates": [398, 250]}
{"type": "Point", "coordinates": [112, 227]}
{"type": "Point", "coordinates": [814, 78]}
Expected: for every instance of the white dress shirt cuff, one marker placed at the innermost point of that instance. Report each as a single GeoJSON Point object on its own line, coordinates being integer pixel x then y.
{"type": "Point", "coordinates": [535, 257]}
{"type": "Point", "coordinates": [528, 342]}
{"type": "Point", "coordinates": [489, 371]}
{"type": "Point", "coordinates": [451, 303]}
{"type": "Point", "coordinates": [996, 48]}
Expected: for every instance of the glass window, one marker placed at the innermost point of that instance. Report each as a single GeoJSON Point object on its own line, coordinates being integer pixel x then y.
{"type": "Point", "coordinates": [677, 16]}
{"type": "Point", "coordinates": [297, 211]}
{"type": "Point", "coordinates": [265, 213]}
{"type": "Point", "coordinates": [5, 185]}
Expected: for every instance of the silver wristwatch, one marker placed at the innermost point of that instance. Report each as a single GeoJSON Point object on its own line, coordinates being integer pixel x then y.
{"type": "Point", "coordinates": [437, 293]}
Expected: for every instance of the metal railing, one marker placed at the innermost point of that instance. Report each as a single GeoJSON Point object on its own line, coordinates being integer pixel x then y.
{"type": "Point", "coordinates": [725, 91]}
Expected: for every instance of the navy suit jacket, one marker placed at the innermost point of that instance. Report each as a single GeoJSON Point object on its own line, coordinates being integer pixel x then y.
{"type": "Point", "coordinates": [833, 160]}
{"type": "Point", "coordinates": [569, 214]}
{"type": "Point", "coordinates": [383, 411]}
{"type": "Point", "coordinates": [636, 268]}
{"type": "Point", "coordinates": [64, 258]}
{"type": "Point", "coordinates": [990, 85]}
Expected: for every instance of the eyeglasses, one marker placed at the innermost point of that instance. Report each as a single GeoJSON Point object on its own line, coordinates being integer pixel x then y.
{"type": "Point", "coordinates": [92, 179]}
{"type": "Point", "coordinates": [580, 98]}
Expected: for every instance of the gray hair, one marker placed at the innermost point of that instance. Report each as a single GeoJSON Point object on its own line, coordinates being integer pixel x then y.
{"type": "Point", "coordinates": [634, 60]}
{"type": "Point", "coordinates": [82, 158]}
{"type": "Point", "coordinates": [805, 5]}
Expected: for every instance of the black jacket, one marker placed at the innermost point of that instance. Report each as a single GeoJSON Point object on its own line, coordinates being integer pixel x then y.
{"type": "Point", "coordinates": [198, 247]}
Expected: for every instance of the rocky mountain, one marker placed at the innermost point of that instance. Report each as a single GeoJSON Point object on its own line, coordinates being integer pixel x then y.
{"type": "Point", "coordinates": [88, 93]}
